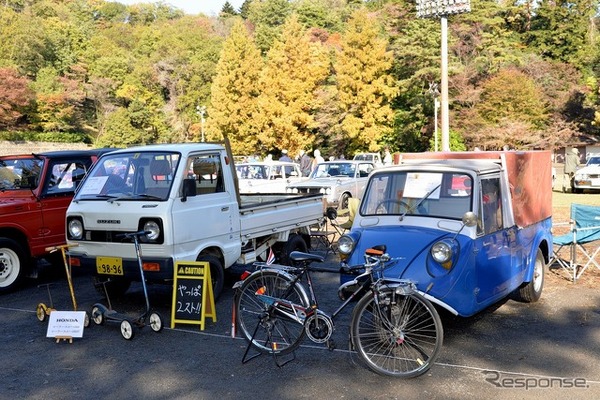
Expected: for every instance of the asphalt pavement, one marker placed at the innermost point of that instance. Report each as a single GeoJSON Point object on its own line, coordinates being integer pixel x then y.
{"type": "Point", "coordinates": [549, 349]}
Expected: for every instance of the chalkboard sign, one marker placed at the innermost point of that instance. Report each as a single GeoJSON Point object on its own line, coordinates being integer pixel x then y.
{"type": "Point", "coordinates": [193, 299]}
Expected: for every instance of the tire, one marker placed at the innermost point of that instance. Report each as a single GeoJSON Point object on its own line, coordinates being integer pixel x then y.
{"type": "Point", "coordinates": [343, 204]}
{"type": "Point", "coordinates": [400, 335]}
{"type": "Point", "coordinates": [12, 264]}
{"type": "Point", "coordinates": [295, 243]}
{"type": "Point", "coordinates": [97, 315]}
{"type": "Point", "coordinates": [127, 330]}
{"type": "Point", "coordinates": [115, 287]}
{"type": "Point", "coordinates": [266, 331]}
{"type": "Point", "coordinates": [217, 273]}
{"type": "Point", "coordinates": [155, 321]}
{"type": "Point", "coordinates": [40, 312]}
{"type": "Point", "coordinates": [531, 292]}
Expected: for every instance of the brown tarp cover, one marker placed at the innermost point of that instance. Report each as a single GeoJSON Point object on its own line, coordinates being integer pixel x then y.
{"type": "Point", "coordinates": [529, 176]}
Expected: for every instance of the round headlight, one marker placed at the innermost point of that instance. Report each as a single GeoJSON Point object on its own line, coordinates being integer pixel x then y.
{"type": "Point", "coordinates": [345, 244]}
{"type": "Point", "coordinates": [75, 229]}
{"type": "Point", "coordinates": [152, 230]}
{"type": "Point", "coordinates": [441, 252]}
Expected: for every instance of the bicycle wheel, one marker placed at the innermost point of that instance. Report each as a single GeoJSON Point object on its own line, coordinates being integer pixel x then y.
{"type": "Point", "coordinates": [264, 328]}
{"type": "Point", "coordinates": [397, 335]}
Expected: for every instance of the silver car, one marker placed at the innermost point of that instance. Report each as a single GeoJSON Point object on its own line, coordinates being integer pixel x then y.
{"type": "Point", "coordinates": [588, 177]}
{"type": "Point", "coordinates": [337, 180]}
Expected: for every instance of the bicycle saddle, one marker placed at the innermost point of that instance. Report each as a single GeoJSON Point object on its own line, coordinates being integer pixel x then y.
{"type": "Point", "coordinates": [298, 256]}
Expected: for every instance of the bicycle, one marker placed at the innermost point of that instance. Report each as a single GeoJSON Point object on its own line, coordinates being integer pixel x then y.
{"type": "Point", "coordinates": [394, 329]}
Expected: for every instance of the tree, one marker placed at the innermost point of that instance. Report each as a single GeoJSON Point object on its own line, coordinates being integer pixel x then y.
{"type": "Point", "coordinates": [294, 69]}
{"type": "Point", "coordinates": [227, 10]}
{"type": "Point", "coordinates": [365, 87]}
{"type": "Point", "coordinates": [119, 131]}
{"type": "Point", "coordinates": [234, 92]}
{"type": "Point", "coordinates": [268, 16]}
{"type": "Point", "coordinates": [15, 97]}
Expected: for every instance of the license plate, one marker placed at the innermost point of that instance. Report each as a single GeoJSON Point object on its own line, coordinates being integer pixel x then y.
{"type": "Point", "coordinates": [109, 265]}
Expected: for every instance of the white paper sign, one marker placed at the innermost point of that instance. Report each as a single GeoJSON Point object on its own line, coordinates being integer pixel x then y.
{"type": "Point", "coordinates": [94, 185]}
{"type": "Point", "coordinates": [66, 323]}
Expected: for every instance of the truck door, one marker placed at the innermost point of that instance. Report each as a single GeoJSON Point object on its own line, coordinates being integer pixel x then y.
{"type": "Point", "coordinates": [495, 243]}
{"type": "Point", "coordinates": [211, 217]}
{"type": "Point", "coordinates": [57, 191]}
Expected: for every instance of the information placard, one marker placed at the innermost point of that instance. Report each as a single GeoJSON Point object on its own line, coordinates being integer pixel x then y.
{"type": "Point", "coordinates": [65, 324]}
{"type": "Point", "coordinates": [193, 298]}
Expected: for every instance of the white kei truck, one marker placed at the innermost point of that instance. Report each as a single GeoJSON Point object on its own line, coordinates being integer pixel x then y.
{"type": "Point", "coordinates": [186, 198]}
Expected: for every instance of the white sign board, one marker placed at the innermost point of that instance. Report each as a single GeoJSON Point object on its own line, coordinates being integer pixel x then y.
{"type": "Point", "coordinates": [66, 324]}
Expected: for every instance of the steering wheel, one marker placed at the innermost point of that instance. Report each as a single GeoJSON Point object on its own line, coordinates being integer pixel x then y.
{"type": "Point", "coordinates": [382, 209]}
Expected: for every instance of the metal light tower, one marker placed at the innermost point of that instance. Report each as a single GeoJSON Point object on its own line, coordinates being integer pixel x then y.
{"type": "Point", "coordinates": [441, 9]}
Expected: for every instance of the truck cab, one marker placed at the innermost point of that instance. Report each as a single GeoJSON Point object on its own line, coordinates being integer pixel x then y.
{"type": "Point", "coordinates": [467, 228]}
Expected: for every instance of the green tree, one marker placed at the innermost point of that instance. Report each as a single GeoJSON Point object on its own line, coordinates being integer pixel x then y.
{"type": "Point", "coordinates": [565, 31]}
{"type": "Point", "coordinates": [365, 87]}
{"type": "Point", "coordinates": [227, 10]}
{"type": "Point", "coordinates": [268, 16]}
{"type": "Point", "coordinates": [294, 69]}
{"type": "Point", "coordinates": [120, 132]}
{"type": "Point", "coordinates": [234, 92]}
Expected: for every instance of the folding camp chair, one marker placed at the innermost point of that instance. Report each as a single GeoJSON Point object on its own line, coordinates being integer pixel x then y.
{"type": "Point", "coordinates": [350, 212]}
{"type": "Point", "coordinates": [323, 237]}
{"type": "Point", "coordinates": [584, 228]}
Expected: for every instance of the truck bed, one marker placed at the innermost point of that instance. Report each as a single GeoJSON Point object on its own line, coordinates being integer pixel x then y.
{"type": "Point", "coordinates": [262, 215]}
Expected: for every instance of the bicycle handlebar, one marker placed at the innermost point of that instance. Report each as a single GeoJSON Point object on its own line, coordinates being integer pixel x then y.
{"type": "Point", "coordinates": [132, 234]}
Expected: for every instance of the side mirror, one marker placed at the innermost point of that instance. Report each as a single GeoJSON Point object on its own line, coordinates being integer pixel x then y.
{"type": "Point", "coordinates": [469, 219]}
{"type": "Point", "coordinates": [189, 188]}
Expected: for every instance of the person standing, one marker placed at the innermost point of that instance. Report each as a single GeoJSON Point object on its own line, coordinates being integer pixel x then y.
{"type": "Point", "coordinates": [318, 158]}
{"type": "Point", "coordinates": [285, 158]}
{"type": "Point", "coordinates": [571, 164]}
{"type": "Point", "coordinates": [387, 157]}
{"type": "Point", "coordinates": [305, 163]}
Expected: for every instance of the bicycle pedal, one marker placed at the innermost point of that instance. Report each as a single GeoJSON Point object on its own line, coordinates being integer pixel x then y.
{"type": "Point", "coordinates": [331, 345]}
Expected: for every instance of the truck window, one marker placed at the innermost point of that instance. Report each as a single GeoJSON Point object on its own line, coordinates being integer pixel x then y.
{"type": "Point", "coordinates": [490, 209]}
{"type": "Point", "coordinates": [61, 177]}
{"type": "Point", "coordinates": [207, 172]}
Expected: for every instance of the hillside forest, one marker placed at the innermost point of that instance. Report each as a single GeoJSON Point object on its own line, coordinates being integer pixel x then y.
{"type": "Point", "coordinates": [339, 75]}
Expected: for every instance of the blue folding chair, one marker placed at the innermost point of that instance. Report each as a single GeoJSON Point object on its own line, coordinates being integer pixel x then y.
{"type": "Point", "coordinates": [584, 228]}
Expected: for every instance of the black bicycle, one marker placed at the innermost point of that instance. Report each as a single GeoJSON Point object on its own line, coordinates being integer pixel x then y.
{"type": "Point", "coordinates": [395, 330]}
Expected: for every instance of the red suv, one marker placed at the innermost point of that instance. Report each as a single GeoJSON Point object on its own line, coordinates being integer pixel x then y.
{"type": "Point", "coordinates": [35, 191]}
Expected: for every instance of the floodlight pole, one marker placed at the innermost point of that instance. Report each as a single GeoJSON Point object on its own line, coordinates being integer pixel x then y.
{"type": "Point", "coordinates": [441, 9]}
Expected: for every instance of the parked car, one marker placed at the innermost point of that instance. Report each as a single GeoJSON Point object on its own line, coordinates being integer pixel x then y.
{"type": "Point", "coordinates": [35, 191]}
{"type": "Point", "coordinates": [467, 229]}
{"type": "Point", "coordinates": [263, 177]}
{"type": "Point", "coordinates": [337, 180]}
{"type": "Point", "coordinates": [588, 177]}
{"type": "Point", "coordinates": [375, 158]}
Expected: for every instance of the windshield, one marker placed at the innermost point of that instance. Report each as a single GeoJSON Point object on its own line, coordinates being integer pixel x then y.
{"type": "Point", "coordinates": [334, 169]}
{"type": "Point", "coordinates": [594, 161]}
{"type": "Point", "coordinates": [435, 194]}
{"type": "Point", "coordinates": [254, 171]}
{"type": "Point", "coordinates": [20, 173]}
{"type": "Point", "coordinates": [130, 176]}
